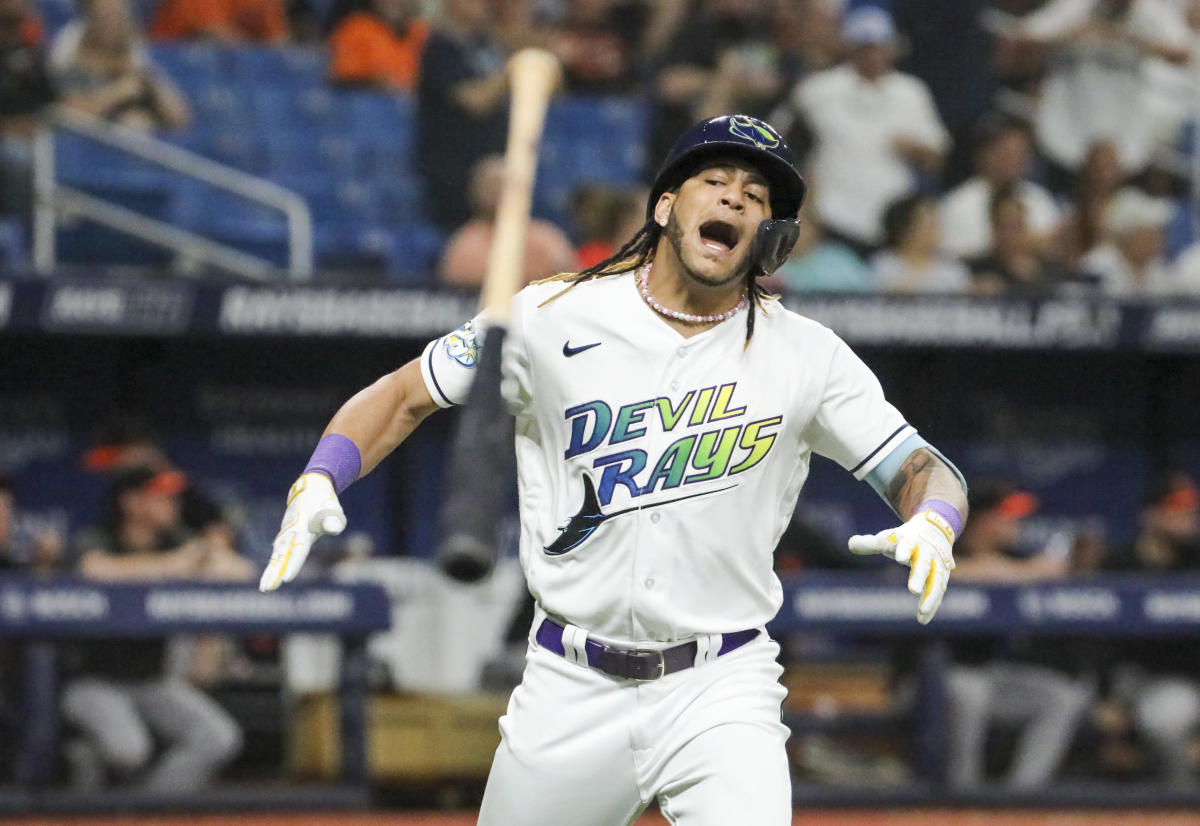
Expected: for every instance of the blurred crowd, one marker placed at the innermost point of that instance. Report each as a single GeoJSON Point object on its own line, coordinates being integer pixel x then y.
{"type": "Point", "coordinates": [135, 711]}
{"type": "Point", "coordinates": [1024, 711]}
{"type": "Point", "coordinates": [952, 146]}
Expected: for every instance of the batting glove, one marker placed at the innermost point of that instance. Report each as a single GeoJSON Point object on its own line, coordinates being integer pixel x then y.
{"type": "Point", "coordinates": [312, 510]}
{"type": "Point", "coordinates": [924, 544]}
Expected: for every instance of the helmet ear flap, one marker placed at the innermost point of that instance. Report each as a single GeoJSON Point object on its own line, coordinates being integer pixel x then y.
{"type": "Point", "coordinates": [773, 242]}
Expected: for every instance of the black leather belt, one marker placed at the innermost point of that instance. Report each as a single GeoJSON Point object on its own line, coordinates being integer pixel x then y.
{"type": "Point", "coordinates": [639, 664]}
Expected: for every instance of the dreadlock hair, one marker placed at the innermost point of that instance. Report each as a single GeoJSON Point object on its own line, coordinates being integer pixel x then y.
{"type": "Point", "coordinates": [638, 251]}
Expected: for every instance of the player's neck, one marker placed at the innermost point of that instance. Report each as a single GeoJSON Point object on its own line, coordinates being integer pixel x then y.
{"type": "Point", "coordinates": [671, 287]}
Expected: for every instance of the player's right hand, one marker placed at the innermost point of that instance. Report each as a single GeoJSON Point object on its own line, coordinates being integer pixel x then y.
{"type": "Point", "coordinates": [925, 544]}
{"type": "Point", "coordinates": [312, 510]}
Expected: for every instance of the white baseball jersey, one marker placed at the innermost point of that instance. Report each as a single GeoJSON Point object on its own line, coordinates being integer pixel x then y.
{"type": "Point", "coordinates": [657, 472]}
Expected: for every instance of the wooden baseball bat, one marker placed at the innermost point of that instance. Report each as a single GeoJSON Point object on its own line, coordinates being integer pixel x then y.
{"type": "Point", "coordinates": [533, 76]}
{"type": "Point", "coordinates": [482, 466]}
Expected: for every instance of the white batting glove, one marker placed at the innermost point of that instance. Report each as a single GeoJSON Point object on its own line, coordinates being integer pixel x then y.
{"type": "Point", "coordinates": [924, 544]}
{"type": "Point", "coordinates": [312, 510]}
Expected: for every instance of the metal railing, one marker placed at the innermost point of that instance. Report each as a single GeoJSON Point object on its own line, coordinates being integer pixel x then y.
{"type": "Point", "coordinates": [54, 200]}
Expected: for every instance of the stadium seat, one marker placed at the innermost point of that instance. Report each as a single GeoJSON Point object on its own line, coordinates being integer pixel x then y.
{"type": "Point", "coordinates": [280, 67]}
{"type": "Point", "coordinates": [343, 247]}
{"type": "Point", "coordinates": [81, 160]}
{"type": "Point", "coordinates": [191, 66]}
{"type": "Point", "coordinates": [278, 108]}
{"type": "Point", "coordinates": [377, 118]}
{"type": "Point", "coordinates": [400, 197]}
{"type": "Point", "coordinates": [265, 239]}
{"type": "Point", "coordinates": [82, 241]}
{"type": "Point", "coordinates": [203, 209]}
{"type": "Point", "coordinates": [55, 14]}
{"type": "Point", "coordinates": [413, 255]}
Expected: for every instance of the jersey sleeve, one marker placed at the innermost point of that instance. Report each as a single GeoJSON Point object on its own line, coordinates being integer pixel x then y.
{"type": "Point", "coordinates": [517, 373]}
{"type": "Point", "coordinates": [854, 424]}
{"type": "Point", "coordinates": [448, 363]}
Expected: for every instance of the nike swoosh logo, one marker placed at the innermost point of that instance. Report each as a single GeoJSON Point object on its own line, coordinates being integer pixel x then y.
{"type": "Point", "coordinates": [584, 523]}
{"type": "Point", "coordinates": [569, 351]}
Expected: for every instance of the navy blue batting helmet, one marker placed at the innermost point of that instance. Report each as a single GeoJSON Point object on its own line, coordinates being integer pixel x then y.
{"type": "Point", "coordinates": [739, 136]}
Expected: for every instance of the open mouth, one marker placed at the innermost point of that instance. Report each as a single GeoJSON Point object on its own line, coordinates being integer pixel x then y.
{"type": "Point", "coordinates": [719, 236]}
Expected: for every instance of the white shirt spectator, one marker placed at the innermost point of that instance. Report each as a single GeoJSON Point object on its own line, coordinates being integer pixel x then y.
{"type": "Point", "coordinates": [855, 121]}
{"type": "Point", "coordinates": [66, 46]}
{"type": "Point", "coordinates": [966, 215]}
{"type": "Point", "coordinates": [893, 274]}
{"type": "Point", "coordinates": [1095, 89]}
{"type": "Point", "coordinates": [1118, 279]}
{"type": "Point", "coordinates": [1130, 262]}
{"type": "Point", "coordinates": [1187, 270]}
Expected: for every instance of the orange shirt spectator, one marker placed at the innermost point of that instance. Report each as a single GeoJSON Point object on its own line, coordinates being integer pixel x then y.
{"type": "Point", "coordinates": [232, 21]}
{"type": "Point", "coordinates": [379, 48]}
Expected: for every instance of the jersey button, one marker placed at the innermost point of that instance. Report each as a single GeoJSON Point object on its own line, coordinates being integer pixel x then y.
{"type": "Point", "coordinates": [675, 384]}
{"type": "Point", "coordinates": [681, 352]}
{"type": "Point", "coordinates": [649, 584]}
{"type": "Point", "coordinates": [654, 517]}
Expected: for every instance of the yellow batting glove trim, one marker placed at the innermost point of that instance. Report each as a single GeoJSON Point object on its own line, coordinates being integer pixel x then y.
{"type": "Point", "coordinates": [939, 522]}
{"type": "Point", "coordinates": [287, 557]}
{"type": "Point", "coordinates": [929, 582]}
{"type": "Point", "coordinates": [297, 488]}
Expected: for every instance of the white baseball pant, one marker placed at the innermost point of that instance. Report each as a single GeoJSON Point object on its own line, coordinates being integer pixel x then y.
{"type": "Point", "coordinates": [582, 748]}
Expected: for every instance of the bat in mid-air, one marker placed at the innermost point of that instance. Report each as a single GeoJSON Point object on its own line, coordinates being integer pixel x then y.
{"type": "Point", "coordinates": [481, 453]}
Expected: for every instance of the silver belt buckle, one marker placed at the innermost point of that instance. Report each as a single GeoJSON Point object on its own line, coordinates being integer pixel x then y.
{"type": "Point", "coordinates": [640, 653]}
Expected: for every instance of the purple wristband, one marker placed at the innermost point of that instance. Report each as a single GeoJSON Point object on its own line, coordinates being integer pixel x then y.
{"type": "Point", "coordinates": [338, 458]}
{"type": "Point", "coordinates": [946, 511]}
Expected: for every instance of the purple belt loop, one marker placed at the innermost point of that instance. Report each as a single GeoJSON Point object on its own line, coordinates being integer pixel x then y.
{"type": "Point", "coordinates": [338, 458]}
{"type": "Point", "coordinates": [946, 511]}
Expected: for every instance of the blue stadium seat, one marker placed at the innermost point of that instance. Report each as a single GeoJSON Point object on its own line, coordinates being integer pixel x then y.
{"type": "Point", "coordinates": [285, 67]}
{"type": "Point", "coordinates": [81, 160]}
{"type": "Point", "coordinates": [295, 151]}
{"type": "Point", "coordinates": [1181, 230]}
{"type": "Point", "coordinates": [85, 242]}
{"type": "Point", "coordinates": [55, 14]}
{"type": "Point", "coordinates": [381, 127]}
{"type": "Point", "coordinates": [265, 239]}
{"type": "Point", "coordinates": [192, 66]}
{"type": "Point", "coordinates": [217, 106]}
{"type": "Point", "coordinates": [406, 256]}
{"type": "Point", "coordinates": [333, 199]}
{"type": "Point", "coordinates": [237, 148]}
{"type": "Point", "coordinates": [203, 209]}
{"type": "Point", "coordinates": [348, 248]}
{"type": "Point", "coordinates": [400, 197]}
{"type": "Point", "coordinates": [377, 118]}
{"type": "Point", "coordinates": [414, 253]}
{"type": "Point", "coordinates": [588, 139]}
{"type": "Point", "coordinates": [277, 107]}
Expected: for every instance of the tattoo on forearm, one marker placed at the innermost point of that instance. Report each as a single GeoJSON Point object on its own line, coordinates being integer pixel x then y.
{"type": "Point", "coordinates": [908, 486]}
{"type": "Point", "coordinates": [924, 476]}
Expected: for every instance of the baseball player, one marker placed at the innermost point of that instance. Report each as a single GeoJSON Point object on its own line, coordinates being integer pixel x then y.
{"type": "Point", "coordinates": [666, 411]}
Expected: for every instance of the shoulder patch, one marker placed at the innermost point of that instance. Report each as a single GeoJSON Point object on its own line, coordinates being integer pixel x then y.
{"type": "Point", "coordinates": [461, 345]}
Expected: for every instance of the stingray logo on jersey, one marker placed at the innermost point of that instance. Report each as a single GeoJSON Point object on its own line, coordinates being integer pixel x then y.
{"type": "Point", "coordinates": [705, 454]}
{"type": "Point", "coordinates": [758, 134]}
{"type": "Point", "coordinates": [461, 345]}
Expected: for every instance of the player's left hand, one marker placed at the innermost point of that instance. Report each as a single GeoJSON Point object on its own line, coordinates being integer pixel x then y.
{"type": "Point", "coordinates": [924, 543]}
{"type": "Point", "coordinates": [313, 510]}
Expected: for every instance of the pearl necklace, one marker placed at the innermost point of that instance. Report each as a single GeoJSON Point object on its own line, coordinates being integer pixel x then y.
{"type": "Point", "coordinates": [644, 286]}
